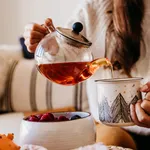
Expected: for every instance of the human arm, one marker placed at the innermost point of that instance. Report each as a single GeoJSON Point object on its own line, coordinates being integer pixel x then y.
{"type": "Point", "coordinates": [35, 32]}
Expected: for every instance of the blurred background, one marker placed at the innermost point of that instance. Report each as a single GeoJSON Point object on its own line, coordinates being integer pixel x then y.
{"type": "Point", "coordinates": [15, 14]}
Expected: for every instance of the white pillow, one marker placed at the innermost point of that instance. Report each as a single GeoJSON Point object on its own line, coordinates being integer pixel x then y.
{"type": "Point", "coordinates": [8, 54]}
{"type": "Point", "coordinates": [11, 51]}
{"type": "Point", "coordinates": [28, 90]}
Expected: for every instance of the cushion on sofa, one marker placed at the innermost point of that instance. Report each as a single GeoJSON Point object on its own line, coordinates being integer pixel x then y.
{"type": "Point", "coordinates": [11, 51]}
{"type": "Point", "coordinates": [28, 90]}
{"type": "Point", "coordinates": [8, 54]}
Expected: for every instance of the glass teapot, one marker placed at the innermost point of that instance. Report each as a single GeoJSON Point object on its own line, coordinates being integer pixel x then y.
{"type": "Point", "coordinates": [64, 55]}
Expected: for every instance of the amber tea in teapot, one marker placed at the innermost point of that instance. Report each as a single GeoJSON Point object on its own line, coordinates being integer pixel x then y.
{"type": "Point", "coordinates": [64, 56]}
{"type": "Point", "coordinates": [71, 73]}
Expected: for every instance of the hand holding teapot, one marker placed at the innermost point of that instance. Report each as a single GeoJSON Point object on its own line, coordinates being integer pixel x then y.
{"type": "Point", "coordinates": [62, 55]}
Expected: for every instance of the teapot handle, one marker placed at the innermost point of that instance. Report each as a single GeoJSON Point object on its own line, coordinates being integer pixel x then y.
{"type": "Point", "coordinates": [49, 25]}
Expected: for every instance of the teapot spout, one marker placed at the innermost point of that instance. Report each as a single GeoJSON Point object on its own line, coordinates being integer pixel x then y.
{"type": "Point", "coordinates": [101, 62]}
{"type": "Point", "coordinates": [97, 63]}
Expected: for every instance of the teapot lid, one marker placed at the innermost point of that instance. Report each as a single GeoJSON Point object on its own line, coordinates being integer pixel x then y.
{"type": "Point", "coordinates": [74, 35]}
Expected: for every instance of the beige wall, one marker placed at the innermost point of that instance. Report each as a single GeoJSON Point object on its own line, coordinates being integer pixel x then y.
{"type": "Point", "coordinates": [15, 14]}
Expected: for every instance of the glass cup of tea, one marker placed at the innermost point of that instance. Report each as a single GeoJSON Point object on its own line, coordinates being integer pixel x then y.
{"type": "Point", "coordinates": [114, 99]}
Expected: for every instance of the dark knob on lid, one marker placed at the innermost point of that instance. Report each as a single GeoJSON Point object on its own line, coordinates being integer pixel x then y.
{"type": "Point", "coordinates": [77, 27]}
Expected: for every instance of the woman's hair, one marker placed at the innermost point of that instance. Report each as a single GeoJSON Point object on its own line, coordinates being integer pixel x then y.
{"type": "Point", "coordinates": [126, 27]}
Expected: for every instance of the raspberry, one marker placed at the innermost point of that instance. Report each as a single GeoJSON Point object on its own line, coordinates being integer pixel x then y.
{"type": "Point", "coordinates": [51, 116]}
{"type": "Point", "coordinates": [39, 116]}
{"type": "Point", "coordinates": [47, 117]}
{"type": "Point", "coordinates": [62, 118]}
{"type": "Point", "coordinates": [33, 118]}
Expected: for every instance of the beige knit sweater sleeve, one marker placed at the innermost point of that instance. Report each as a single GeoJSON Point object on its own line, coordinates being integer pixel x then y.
{"type": "Point", "coordinates": [94, 16]}
{"type": "Point", "coordinates": [95, 19]}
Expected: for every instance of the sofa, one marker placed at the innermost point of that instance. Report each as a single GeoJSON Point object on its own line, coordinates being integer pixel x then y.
{"type": "Point", "coordinates": [24, 91]}
{"type": "Point", "coordinates": [9, 122]}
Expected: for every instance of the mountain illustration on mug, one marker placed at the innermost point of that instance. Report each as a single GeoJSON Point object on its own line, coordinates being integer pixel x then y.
{"type": "Point", "coordinates": [118, 112]}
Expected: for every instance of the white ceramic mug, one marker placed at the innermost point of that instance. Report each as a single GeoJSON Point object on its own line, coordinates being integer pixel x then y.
{"type": "Point", "coordinates": [114, 99]}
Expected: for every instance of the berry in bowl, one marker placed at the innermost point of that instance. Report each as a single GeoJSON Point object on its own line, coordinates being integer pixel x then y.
{"type": "Point", "coordinates": [58, 131]}
{"type": "Point", "coordinates": [49, 117]}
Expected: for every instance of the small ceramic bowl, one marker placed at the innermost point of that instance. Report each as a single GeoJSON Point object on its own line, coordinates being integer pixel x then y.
{"type": "Point", "coordinates": [63, 135]}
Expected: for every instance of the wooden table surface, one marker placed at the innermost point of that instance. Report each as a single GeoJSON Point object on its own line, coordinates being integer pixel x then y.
{"type": "Point", "coordinates": [114, 136]}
